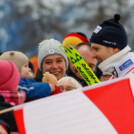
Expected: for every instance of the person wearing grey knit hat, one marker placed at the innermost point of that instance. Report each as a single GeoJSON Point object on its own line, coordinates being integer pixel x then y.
{"type": "Point", "coordinates": [51, 59]}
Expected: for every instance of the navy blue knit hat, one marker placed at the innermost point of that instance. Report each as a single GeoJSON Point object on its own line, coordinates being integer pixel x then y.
{"type": "Point", "coordinates": [110, 33]}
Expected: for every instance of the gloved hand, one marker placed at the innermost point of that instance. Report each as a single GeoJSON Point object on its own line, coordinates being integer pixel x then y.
{"type": "Point", "coordinates": [57, 90]}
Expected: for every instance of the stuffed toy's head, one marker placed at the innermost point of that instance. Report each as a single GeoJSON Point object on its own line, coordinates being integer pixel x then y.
{"type": "Point", "coordinates": [50, 78]}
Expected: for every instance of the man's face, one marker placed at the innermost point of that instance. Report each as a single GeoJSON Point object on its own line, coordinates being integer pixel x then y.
{"type": "Point", "coordinates": [102, 52]}
{"type": "Point", "coordinates": [89, 58]}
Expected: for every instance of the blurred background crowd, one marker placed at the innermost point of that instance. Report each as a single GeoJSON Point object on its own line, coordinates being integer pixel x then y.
{"type": "Point", "coordinates": [25, 23]}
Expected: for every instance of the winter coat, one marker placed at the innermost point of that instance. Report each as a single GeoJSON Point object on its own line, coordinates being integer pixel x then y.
{"type": "Point", "coordinates": [33, 88]}
{"type": "Point", "coordinates": [7, 118]}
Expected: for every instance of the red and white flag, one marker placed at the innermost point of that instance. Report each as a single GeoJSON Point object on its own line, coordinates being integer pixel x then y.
{"type": "Point", "coordinates": [104, 108]}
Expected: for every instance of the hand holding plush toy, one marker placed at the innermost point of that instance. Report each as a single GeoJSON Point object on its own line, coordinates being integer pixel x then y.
{"type": "Point", "coordinates": [52, 80]}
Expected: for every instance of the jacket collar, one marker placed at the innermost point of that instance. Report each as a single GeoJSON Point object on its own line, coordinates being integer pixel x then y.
{"type": "Point", "coordinates": [109, 65]}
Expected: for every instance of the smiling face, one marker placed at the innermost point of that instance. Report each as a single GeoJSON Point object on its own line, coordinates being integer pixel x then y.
{"type": "Point", "coordinates": [102, 52]}
{"type": "Point", "coordinates": [54, 64]}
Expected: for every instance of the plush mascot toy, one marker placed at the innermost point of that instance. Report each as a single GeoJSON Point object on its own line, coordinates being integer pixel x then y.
{"type": "Point", "coordinates": [51, 79]}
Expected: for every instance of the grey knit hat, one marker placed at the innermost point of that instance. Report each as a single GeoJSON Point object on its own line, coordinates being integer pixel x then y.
{"type": "Point", "coordinates": [49, 47]}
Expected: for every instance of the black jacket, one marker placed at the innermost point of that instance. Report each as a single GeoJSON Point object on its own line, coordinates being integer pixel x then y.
{"type": "Point", "coordinates": [38, 76]}
{"type": "Point", "coordinates": [70, 73]}
{"type": "Point", "coordinates": [7, 118]}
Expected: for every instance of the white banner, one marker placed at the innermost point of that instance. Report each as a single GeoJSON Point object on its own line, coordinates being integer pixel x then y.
{"type": "Point", "coordinates": [106, 108]}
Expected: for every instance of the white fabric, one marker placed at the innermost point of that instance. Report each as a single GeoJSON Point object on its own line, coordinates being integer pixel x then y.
{"type": "Point", "coordinates": [73, 112]}
{"type": "Point", "coordinates": [61, 114]}
{"type": "Point", "coordinates": [131, 76]}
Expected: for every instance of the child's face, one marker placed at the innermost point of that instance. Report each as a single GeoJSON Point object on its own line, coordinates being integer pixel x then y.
{"type": "Point", "coordinates": [25, 70]}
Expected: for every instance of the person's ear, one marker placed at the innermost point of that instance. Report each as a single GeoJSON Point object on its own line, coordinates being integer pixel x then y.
{"type": "Point", "coordinates": [115, 50]}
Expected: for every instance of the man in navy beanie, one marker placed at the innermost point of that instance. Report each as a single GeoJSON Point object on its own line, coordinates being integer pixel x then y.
{"type": "Point", "coordinates": [109, 44]}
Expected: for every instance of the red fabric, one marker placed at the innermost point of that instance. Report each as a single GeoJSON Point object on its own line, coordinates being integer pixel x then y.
{"type": "Point", "coordinates": [13, 97]}
{"type": "Point", "coordinates": [117, 104]}
{"type": "Point", "coordinates": [57, 91]}
{"type": "Point", "coordinates": [18, 114]}
{"type": "Point", "coordinates": [3, 126]}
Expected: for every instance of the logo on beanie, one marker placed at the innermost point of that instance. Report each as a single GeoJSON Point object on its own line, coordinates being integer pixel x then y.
{"type": "Point", "coordinates": [97, 29]}
{"type": "Point", "coordinates": [51, 51]}
{"type": "Point", "coordinates": [110, 43]}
